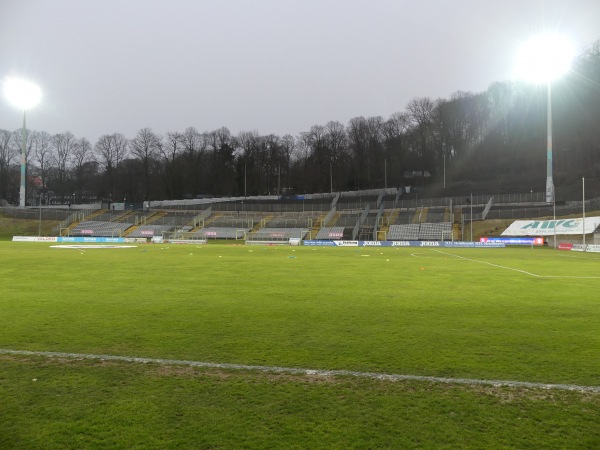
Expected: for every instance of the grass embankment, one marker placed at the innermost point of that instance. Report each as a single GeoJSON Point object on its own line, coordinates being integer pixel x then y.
{"type": "Point", "coordinates": [10, 227]}
{"type": "Point", "coordinates": [503, 314]}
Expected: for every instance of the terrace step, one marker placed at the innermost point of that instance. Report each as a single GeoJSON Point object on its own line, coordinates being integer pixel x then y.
{"type": "Point", "coordinates": [385, 222]}
{"type": "Point", "coordinates": [95, 214]}
{"type": "Point", "coordinates": [261, 223]}
{"type": "Point", "coordinates": [334, 219]}
{"type": "Point", "coordinates": [420, 215]}
{"type": "Point", "coordinates": [317, 226]}
{"type": "Point", "coordinates": [447, 215]}
{"type": "Point", "coordinates": [131, 230]}
{"type": "Point", "coordinates": [154, 217]}
{"type": "Point", "coordinates": [207, 222]}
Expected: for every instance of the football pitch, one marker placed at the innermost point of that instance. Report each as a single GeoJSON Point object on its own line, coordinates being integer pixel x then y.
{"type": "Point", "coordinates": [228, 346]}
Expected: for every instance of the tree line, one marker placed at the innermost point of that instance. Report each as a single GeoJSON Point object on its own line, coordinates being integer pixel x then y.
{"type": "Point", "coordinates": [493, 140]}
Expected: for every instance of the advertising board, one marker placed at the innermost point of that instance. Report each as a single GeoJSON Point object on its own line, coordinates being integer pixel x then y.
{"type": "Point", "coordinates": [552, 227]}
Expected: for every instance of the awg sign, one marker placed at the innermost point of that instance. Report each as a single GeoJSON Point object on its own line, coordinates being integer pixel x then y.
{"type": "Point", "coordinates": [551, 227]}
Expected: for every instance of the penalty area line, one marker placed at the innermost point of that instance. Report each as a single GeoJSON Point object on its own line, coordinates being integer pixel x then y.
{"type": "Point", "coordinates": [302, 371]}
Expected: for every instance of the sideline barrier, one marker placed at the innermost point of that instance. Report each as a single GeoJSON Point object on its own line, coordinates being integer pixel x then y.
{"type": "Point", "coordinates": [93, 240]}
{"type": "Point", "coordinates": [34, 239]}
{"type": "Point", "coordinates": [514, 240]}
{"type": "Point", "coordinates": [313, 243]}
{"type": "Point", "coordinates": [585, 248]}
{"type": "Point", "coordinates": [591, 248]}
{"type": "Point", "coordinates": [447, 244]}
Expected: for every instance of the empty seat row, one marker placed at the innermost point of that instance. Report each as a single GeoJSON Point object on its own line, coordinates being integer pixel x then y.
{"type": "Point", "coordinates": [96, 228]}
{"type": "Point", "coordinates": [330, 233]}
{"type": "Point", "coordinates": [420, 231]}
{"type": "Point", "coordinates": [278, 234]}
{"type": "Point", "coordinates": [148, 231]}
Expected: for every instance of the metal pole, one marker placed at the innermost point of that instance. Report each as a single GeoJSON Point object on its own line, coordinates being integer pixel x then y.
{"type": "Point", "coordinates": [245, 181]}
{"type": "Point", "coordinates": [554, 213]}
{"type": "Point", "coordinates": [385, 172]}
{"type": "Point", "coordinates": [23, 163]}
{"type": "Point", "coordinates": [583, 209]}
{"type": "Point", "coordinates": [330, 178]}
{"type": "Point", "coordinates": [471, 217]}
{"type": "Point", "coordinates": [549, 181]}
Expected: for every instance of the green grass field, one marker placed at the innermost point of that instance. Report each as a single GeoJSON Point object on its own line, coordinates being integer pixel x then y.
{"type": "Point", "coordinates": [530, 315]}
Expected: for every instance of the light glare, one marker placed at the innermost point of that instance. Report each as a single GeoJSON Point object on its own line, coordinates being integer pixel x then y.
{"type": "Point", "coordinates": [22, 93]}
{"type": "Point", "coordinates": [545, 58]}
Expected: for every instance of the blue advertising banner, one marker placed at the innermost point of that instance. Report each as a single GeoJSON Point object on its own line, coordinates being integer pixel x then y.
{"type": "Point", "coordinates": [446, 244]}
{"type": "Point", "coordinates": [91, 239]}
{"type": "Point", "coordinates": [514, 240]}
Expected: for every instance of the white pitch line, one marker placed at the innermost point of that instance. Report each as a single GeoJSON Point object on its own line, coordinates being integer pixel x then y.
{"type": "Point", "coordinates": [517, 270]}
{"type": "Point", "coordinates": [490, 264]}
{"type": "Point", "coordinates": [302, 371]}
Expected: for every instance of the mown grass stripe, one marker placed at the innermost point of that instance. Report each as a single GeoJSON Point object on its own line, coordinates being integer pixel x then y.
{"type": "Point", "coordinates": [303, 371]}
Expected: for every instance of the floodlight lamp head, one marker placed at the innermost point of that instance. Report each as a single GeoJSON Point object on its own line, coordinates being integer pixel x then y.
{"type": "Point", "coordinates": [544, 58]}
{"type": "Point", "coordinates": [22, 93]}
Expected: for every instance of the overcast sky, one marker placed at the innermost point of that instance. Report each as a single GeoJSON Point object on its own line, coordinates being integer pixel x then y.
{"type": "Point", "coordinates": [274, 66]}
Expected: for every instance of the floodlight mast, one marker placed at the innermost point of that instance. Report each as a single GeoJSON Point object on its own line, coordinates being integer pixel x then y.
{"type": "Point", "coordinates": [24, 95]}
{"type": "Point", "coordinates": [549, 166]}
{"type": "Point", "coordinates": [544, 58]}
{"type": "Point", "coordinates": [22, 196]}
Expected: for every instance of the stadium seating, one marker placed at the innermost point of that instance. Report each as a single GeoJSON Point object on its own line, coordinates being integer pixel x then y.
{"type": "Point", "coordinates": [277, 234]}
{"type": "Point", "coordinates": [333, 233]}
{"type": "Point", "coordinates": [420, 231]}
{"type": "Point", "coordinates": [407, 232]}
{"type": "Point", "coordinates": [221, 233]}
{"type": "Point", "coordinates": [148, 231]}
{"type": "Point", "coordinates": [97, 228]}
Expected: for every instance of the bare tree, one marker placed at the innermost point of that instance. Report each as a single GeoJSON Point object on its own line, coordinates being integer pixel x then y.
{"type": "Point", "coordinates": [221, 147]}
{"type": "Point", "coordinates": [288, 145]}
{"type": "Point", "coordinates": [7, 154]}
{"type": "Point", "coordinates": [82, 167]}
{"type": "Point", "coordinates": [146, 146]}
{"type": "Point", "coordinates": [395, 131]}
{"type": "Point", "coordinates": [42, 152]}
{"type": "Point", "coordinates": [194, 150]}
{"type": "Point", "coordinates": [248, 146]}
{"type": "Point", "coordinates": [336, 142]}
{"type": "Point", "coordinates": [320, 158]}
{"type": "Point", "coordinates": [422, 112]}
{"type": "Point", "coordinates": [63, 146]}
{"type": "Point", "coordinates": [169, 152]}
{"type": "Point", "coordinates": [111, 150]}
{"type": "Point", "coordinates": [271, 159]}
{"type": "Point", "coordinates": [357, 132]}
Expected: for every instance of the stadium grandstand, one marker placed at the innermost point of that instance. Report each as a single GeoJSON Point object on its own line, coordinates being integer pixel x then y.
{"type": "Point", "coordinates": [384, 214]}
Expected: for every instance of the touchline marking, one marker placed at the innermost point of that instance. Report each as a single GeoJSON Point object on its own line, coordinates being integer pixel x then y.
{"type": "Point", "coordinates": [515, 270]}
{"type": "Point", "coordinates": [489, 264]}
{"type": "Point", "coordinates": [301, 371]}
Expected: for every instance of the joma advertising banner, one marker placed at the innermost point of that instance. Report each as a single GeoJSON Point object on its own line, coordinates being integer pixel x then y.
{"type": "Point", "coordinates": [551, 227]}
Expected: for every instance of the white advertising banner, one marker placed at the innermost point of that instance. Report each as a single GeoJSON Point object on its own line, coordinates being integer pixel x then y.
{"type": "Point", "coordinates": [551, 227]}
{"type": "Point", "coordinates": [34, 239]}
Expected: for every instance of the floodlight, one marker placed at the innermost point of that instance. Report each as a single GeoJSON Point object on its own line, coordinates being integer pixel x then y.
{"type": "Point", "coordinates": [22, 93]}
{"type": "Point", "coordinates": [544, 58]}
